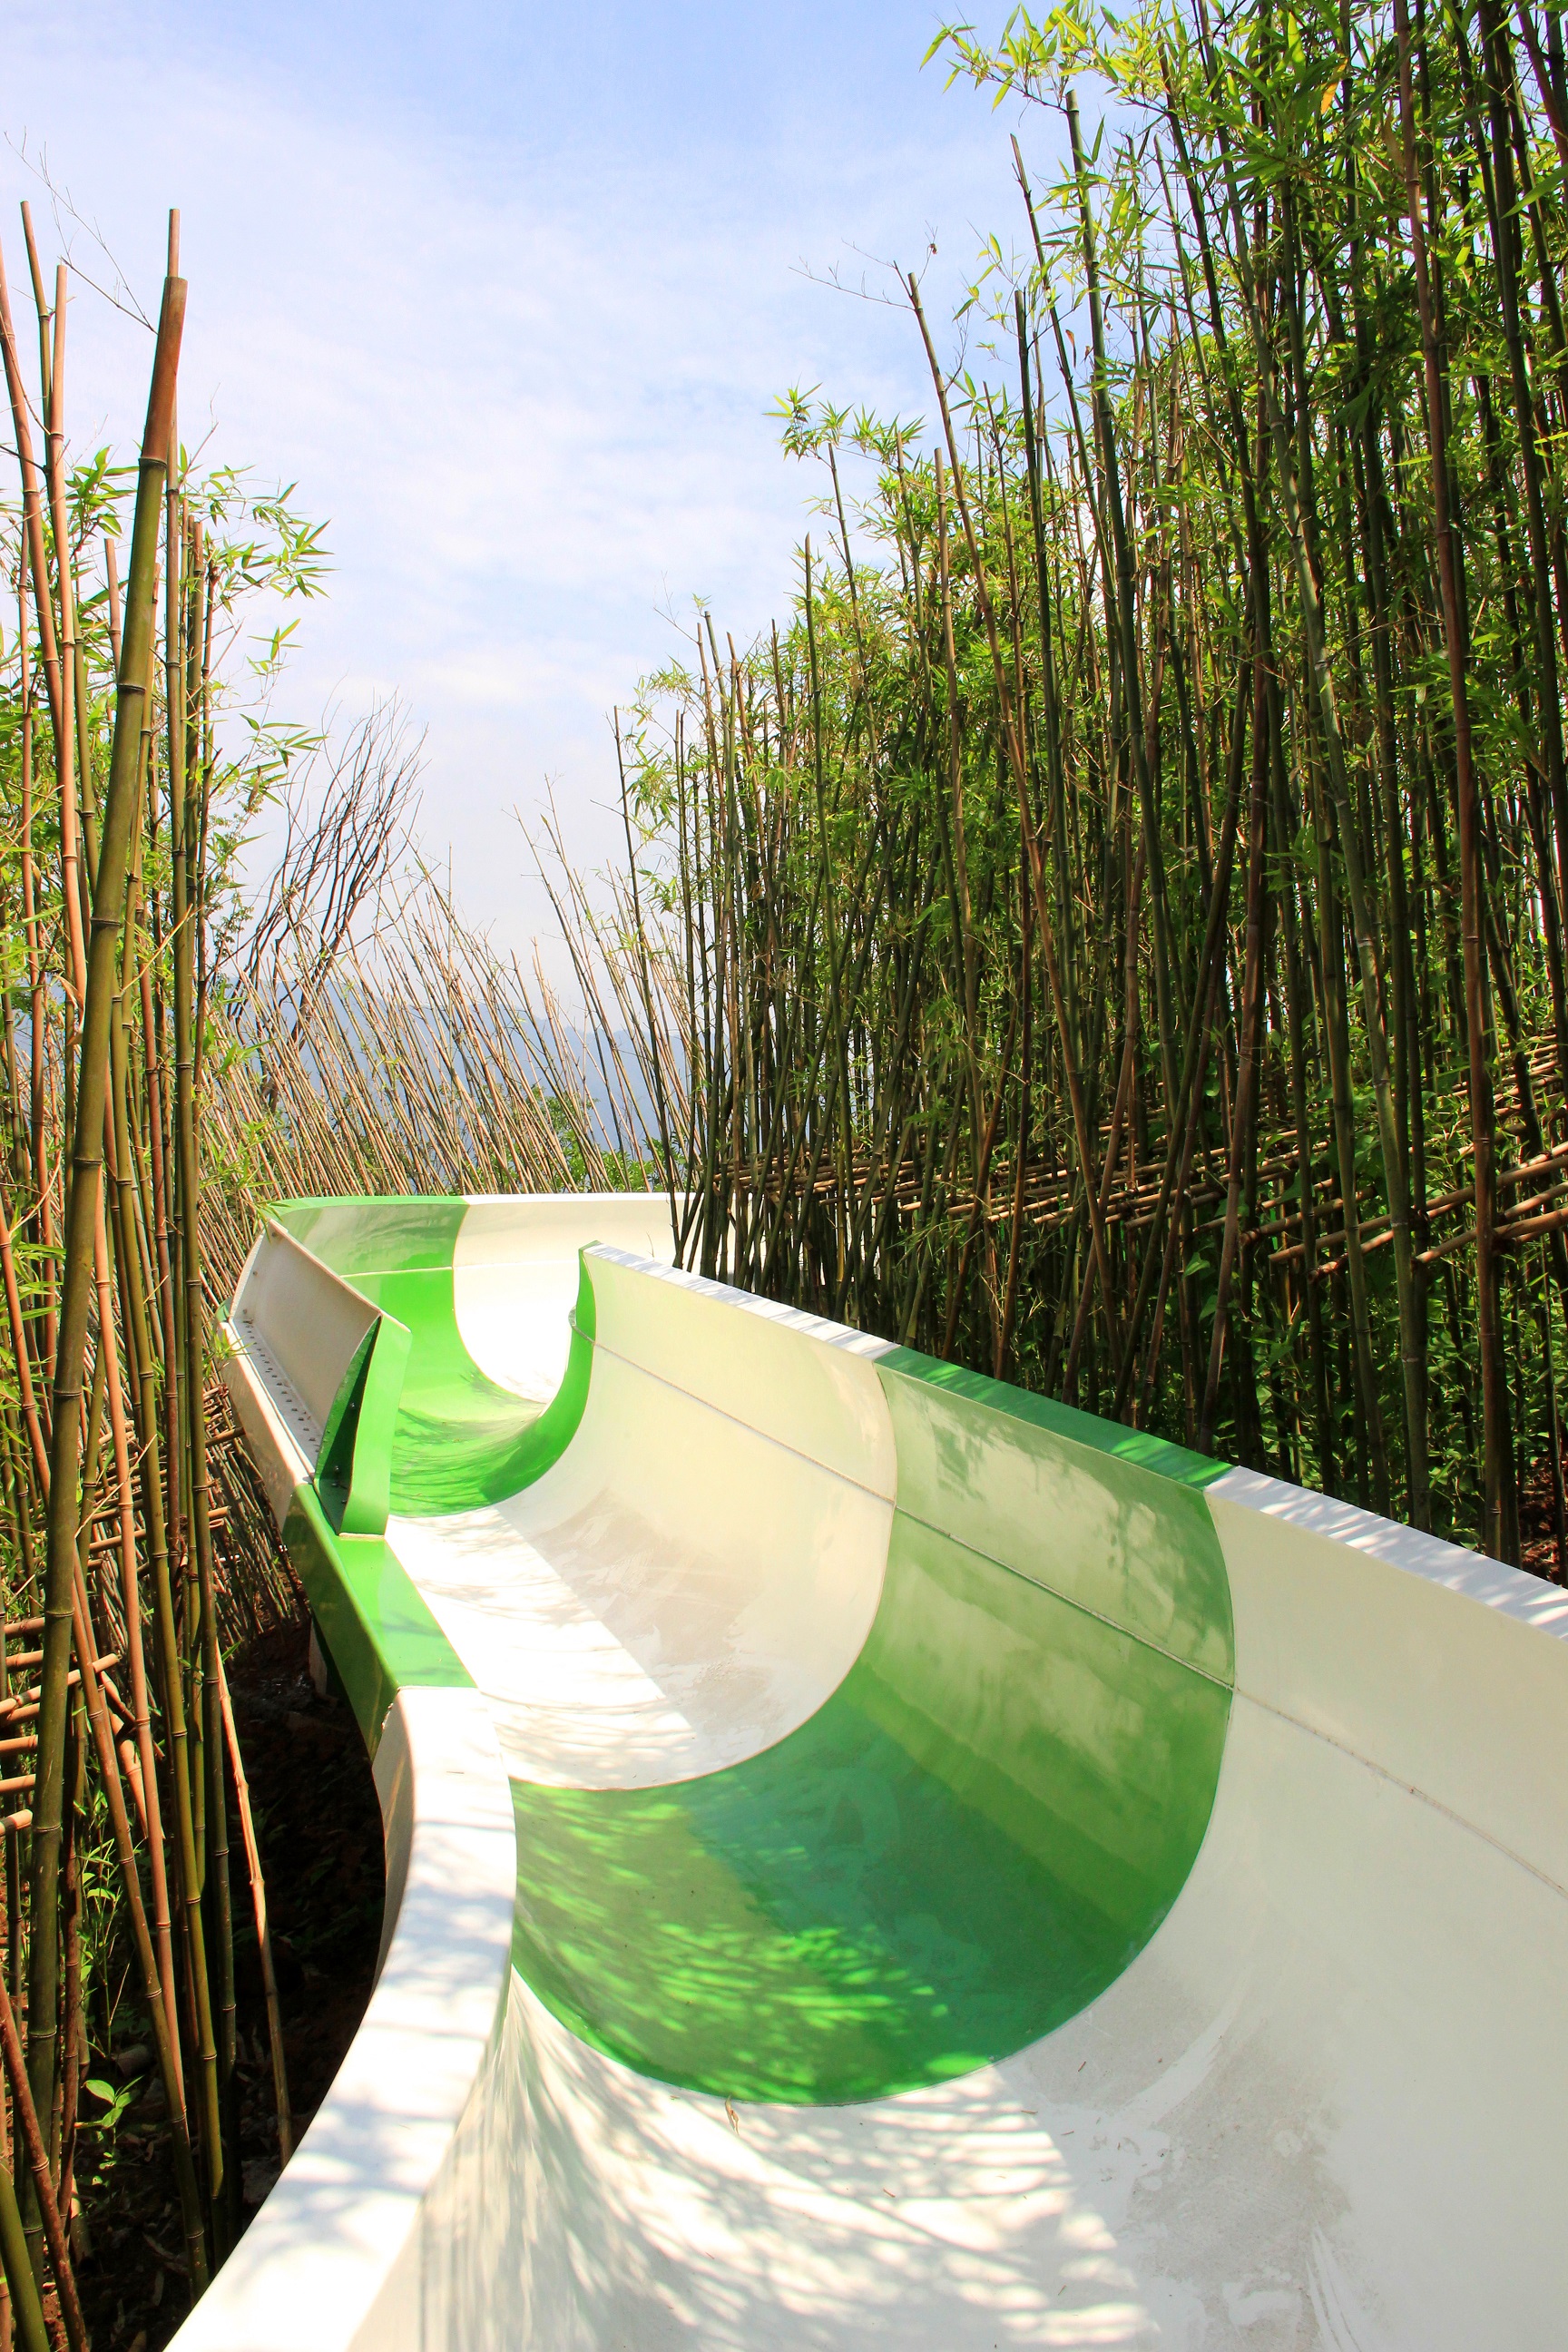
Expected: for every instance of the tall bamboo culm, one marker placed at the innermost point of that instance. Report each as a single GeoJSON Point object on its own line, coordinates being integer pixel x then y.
{"type": "Point", "coordinates": [1112, 934]}
{"type": "Point", "coordinates": [129, 1523]}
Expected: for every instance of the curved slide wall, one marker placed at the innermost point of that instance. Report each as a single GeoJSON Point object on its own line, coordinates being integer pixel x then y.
{"type": "Point", "coordinates": [875, 1859]}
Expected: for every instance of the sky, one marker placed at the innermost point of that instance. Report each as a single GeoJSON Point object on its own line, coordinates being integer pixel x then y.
{"type": "Point", "coordinates": [506, 293]}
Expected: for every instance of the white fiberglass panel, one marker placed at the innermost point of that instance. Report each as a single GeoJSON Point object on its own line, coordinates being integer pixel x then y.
{"type": "Point", "coordinates": [810, 1384]}
{"type": "Point", "coordinates": [1369, 1634]}
{"type": "Point", "coordinates": [303, 1323]}
{"type": "Point", "coordinates": [677, 1593]}
{"type": "Point", "coordinates": [312, 2271]}
{"type": "Point", "coordinates": [515, 1272]}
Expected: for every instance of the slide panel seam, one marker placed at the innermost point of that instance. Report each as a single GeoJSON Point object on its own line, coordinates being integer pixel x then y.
{"type": "Point", "coordinates": [1069, 1600]}
{"type": "Point", "coordinates": [1407, 1788]}
{"type": "Point", "coordinates": [1013, 1478]}
{"type": "Point", "coordinates": [764, 1436]}
{"type": "Point", "coordinates": [1452, 1708]}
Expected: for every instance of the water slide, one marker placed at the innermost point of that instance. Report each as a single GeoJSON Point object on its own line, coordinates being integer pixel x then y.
{"type": "Point", "coordinates": [878, 1860]}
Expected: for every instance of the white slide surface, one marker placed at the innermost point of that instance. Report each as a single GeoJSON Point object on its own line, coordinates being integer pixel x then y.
{"type": "Point", "coordinates": [893, 1865]}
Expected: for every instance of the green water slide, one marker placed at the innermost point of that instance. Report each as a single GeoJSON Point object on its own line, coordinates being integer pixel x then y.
{"type": "Point", "coordinates": [961, 1872]}
{"type": "Point", "coordinates": [975, 1831]}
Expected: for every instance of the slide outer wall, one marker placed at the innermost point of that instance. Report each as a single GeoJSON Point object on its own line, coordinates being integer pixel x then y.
{"type": "Point", "coordinates": [1422, 1663]}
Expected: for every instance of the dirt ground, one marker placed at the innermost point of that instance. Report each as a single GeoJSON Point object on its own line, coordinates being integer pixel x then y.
{"type": "Point", "coordinates": [319, 1828]}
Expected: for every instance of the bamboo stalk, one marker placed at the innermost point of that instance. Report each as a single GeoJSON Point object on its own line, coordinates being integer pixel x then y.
{"type": "Point", "coordinates": [83, 1206]}
{"type": "Point", "coordinates": [263, 1931]}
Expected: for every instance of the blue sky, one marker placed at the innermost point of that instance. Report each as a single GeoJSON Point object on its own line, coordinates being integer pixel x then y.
{"type": "Point", "coordinates": [508, 292]}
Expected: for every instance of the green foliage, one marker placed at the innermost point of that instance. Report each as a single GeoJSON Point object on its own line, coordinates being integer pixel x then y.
{"type": "Point", "coordinates": [1206, 392]}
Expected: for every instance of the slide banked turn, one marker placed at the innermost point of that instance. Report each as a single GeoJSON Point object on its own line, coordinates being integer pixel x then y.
{"type": "Point", "coordinates": [876, 1858]}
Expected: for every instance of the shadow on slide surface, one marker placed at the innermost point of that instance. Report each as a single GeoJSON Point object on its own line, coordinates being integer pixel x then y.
{"type": "Point", "coordinates": [967, 1841]}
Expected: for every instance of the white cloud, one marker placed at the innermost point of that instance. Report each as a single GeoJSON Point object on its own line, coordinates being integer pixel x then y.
{"type": "Point", "coordinates": [526, 379]}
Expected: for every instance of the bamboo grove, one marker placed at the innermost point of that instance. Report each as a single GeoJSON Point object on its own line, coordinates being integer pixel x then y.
{"type": "Point", "coordinates": [131, 1536]}
{"type": "Point", "coordinates": [174, 1056]}
{"type": "Point", "coordinates": [1112, 937]}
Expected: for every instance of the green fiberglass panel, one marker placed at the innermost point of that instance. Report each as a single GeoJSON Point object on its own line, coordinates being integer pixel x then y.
{"type": "Point", "coordinates": [1134, 1446]}
{"type": "Point", "coordinates": [353, 1463]}
{"type": "Point", "coordinates": [457, 1433]}
{"type": "Point", "coordinates": [375, 1623]}
{"type": "Point", "coordinates": [458, 1440]}
{"type": "Point", "coordinates": [1110, 1519]}
{"type": "Point", "coordinates": [375, 1235]}
{"type": "Point", "coordinates": [967, 1843]}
